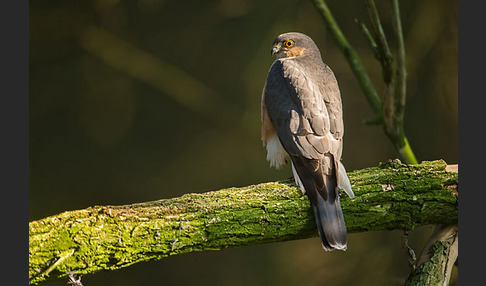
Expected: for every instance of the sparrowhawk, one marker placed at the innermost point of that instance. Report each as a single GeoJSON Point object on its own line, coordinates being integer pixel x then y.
{"type": "Point", "coordinates": [302, 123]}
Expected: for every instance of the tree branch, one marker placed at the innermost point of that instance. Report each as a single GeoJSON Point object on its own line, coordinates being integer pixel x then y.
{"type": "Point", "coordinates": [353, 59]}
{"type": "Point", "coordinates": [383, 53]}
{"type": "Point", "coordinates": [435, 264]}
{"type": "Point", "coordinates": [394, 102]}
{"type": "Point", "coordinates": [390, 196]}
{"type": "Point", "coordinates": [389, 111]}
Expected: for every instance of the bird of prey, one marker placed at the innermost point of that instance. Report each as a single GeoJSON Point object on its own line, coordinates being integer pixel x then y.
{"type": "Point", "coordinates": [302, 123]}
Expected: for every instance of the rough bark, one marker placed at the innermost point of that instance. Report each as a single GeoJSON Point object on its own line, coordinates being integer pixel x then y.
{"type": "Point", "coordinates": [390, 196]}
{"type": "Point", "coordinates": [435, 264]}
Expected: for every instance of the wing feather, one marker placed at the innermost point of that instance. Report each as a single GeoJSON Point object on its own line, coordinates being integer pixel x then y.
{"type": "Point", "coordinates": [306, 114]}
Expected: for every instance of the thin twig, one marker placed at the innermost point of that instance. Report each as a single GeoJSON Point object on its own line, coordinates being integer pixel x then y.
{"type": "Point", "coordinates": [385, 55]}
{"type": "Point", "coordinates": [353, 59]}
{"type": "Point", "coordinates": [388, 112]}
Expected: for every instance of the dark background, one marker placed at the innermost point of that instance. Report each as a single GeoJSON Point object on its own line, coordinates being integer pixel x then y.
{"type": "Point", "coordinates": [134, 101]}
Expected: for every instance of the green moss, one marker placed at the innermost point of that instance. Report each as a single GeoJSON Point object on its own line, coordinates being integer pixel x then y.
{"type": "Point", "coordinates": [431, 272]}
{"type": "Point", "coordinates": [390, 196]}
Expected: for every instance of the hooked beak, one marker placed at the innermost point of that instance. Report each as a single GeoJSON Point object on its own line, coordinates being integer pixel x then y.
{"type": "Point", "coordinates": [276, 48]}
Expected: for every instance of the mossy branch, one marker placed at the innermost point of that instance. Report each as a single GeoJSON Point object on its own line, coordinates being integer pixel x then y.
{"type": "Point", "coordinates": [390, 196]}
{"type": "Point", "coordinates": [435, 264]}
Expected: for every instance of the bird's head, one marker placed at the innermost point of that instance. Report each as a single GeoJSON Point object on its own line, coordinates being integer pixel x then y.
{"type": "Point", "coordinates": [293, 44]}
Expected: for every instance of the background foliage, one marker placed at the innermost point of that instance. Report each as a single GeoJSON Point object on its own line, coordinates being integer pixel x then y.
{"type": "Point", "coordinates": [134, 101]}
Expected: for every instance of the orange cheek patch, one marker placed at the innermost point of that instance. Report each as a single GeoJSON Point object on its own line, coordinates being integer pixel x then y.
{"type": "Point", "coordinates": [294, 52]}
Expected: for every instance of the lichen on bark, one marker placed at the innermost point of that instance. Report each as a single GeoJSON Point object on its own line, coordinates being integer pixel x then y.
{"type": "Point", "coordinates": [390, 196]}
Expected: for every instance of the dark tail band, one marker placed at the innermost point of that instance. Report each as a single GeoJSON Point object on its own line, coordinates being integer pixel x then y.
{"type": "Point", "coordinates": [321, 187]}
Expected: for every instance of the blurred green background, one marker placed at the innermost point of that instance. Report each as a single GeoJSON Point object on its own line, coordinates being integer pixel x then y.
{"type": "Point", "coordinates": [134, 101]}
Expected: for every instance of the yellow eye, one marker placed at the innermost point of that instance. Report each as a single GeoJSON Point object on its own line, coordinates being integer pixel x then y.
{"type": "Point", "coordinates": [288, 43]}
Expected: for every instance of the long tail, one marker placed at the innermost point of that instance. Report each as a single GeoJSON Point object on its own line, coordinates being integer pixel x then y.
{"type": "Point", "coordinates": [330, 223]}
{"type": "Point", "coordinates": [320, 183]}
